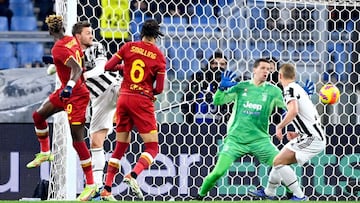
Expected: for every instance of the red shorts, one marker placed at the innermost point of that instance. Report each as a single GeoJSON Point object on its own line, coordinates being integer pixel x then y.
{"type": "Point", "coordinates": [75, 106]}
{"type": "Point", "coordinates": [135, 110]}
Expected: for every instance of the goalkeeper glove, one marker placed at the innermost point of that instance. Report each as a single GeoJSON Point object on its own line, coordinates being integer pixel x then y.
{"type": "Point", "coordinates": [309, 87]}
{"type": "Point", "coordinates": [227, 80]}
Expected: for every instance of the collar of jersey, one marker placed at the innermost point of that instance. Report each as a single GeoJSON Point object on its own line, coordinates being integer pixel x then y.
{"type": "Point", "coordinates": [252, 82]}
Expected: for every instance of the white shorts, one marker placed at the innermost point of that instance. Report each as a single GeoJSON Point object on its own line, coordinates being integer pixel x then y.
{"type": "Point", "coordinates": [103, 109]}
{"type": "Point", "coordinates": [306, 148]}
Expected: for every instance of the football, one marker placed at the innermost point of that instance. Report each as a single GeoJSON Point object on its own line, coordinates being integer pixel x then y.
{"type": "Point", "coordinates": [329, 94]}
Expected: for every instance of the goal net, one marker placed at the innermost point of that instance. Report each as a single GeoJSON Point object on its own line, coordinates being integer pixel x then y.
{"type": "Point", "coordinates": [320, 37]}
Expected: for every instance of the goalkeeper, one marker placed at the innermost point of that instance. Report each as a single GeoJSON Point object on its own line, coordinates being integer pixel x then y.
{"type": "Point", "coordinates": [247, 131]}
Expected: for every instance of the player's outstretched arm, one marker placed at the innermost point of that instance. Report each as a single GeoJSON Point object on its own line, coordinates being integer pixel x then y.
{"type": "Point", "coordinates": [223, 97]}
{"type": "Point", "coordinates": [111, 65]}
{"type": "Point", "coordinates": [227, 80]}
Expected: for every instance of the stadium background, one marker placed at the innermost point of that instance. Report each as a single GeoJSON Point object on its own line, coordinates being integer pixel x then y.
{"type": "Point", "coordinates": [243, 31]}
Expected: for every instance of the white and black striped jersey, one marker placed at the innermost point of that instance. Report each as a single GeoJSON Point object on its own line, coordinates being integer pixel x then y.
{"type": "Point", "coordinates": [307, 121]}
{"type": "Point", "coordinates": [97, 79]}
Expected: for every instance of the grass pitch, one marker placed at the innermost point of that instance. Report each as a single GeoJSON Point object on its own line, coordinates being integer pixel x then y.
{"type": "Point", "coordinates": [255, 201]}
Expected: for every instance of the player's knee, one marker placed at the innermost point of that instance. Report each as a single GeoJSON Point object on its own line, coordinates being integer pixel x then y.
{"type": "Point", "coordinates": [97, 139]}
{"type": "Point", "coordinates": [39, 121]}
{"type": "Point", "coordinates": [37, 117]}
{"type": "Point", "coordinates": [95, 144]}
{"type": "Point", "coordinates": [278, 161]}
{"type": "Point", "coordinates": [216, 174]}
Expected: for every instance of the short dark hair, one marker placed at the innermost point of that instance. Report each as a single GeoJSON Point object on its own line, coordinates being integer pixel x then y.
{"type": "Point", "coordinates": [78, 27]}
{"type": "Point", "coordinates": [151, 28]}
{"type": "Point", "coordinates": [217, 54]}
{"type": "Point", "coordinates": [258, 61]}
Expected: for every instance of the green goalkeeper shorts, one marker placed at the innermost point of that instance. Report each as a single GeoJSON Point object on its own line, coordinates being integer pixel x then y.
{"type": "Point", "coordinates": [263, 150]}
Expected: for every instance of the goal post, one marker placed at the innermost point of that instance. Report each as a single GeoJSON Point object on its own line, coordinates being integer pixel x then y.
{"type": "Point", "coordinates": [320, 37]}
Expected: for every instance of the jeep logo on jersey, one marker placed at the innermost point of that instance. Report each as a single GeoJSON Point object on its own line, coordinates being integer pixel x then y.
{"type": "Point", "coordinates": [257, 107]}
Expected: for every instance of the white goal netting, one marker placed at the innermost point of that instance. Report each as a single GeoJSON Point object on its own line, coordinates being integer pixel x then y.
{"type": "Point", "coordinates": [320, 37]}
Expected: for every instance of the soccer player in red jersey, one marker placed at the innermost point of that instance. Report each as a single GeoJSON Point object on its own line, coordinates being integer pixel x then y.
{"type": "Point", "coordinates": [144, 65]}
{"type": "Point", "coordinates": [72, 96]}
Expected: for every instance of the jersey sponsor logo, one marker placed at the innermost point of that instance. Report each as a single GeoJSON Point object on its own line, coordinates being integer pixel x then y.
{"type": "Point", "coordinates": [143, 52]}
{"type": "Point", "coordinates": [250, 105]}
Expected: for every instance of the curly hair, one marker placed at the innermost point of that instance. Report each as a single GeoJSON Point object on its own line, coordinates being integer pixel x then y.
{"type": "Point", "coordinates": [55, 23]}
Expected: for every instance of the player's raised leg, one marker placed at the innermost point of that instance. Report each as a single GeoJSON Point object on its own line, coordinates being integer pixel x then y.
{"type": "Point", "coordinates": [42, 133]}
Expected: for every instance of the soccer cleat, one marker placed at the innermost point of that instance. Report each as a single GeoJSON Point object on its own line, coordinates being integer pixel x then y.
{"type": "Point", "coordinates": [88, 193]}
{"type": "Point", "coordinates": [96, 196]}
{"type": "Point", "coordinates": [294, 198]}
{"type": "Point", "coordinates": [260, 193]}
{"type": "Point", "coordinates": [40, 158]}
{"type": "Point", "coordinates": [131, 182]}
{"type": "Point", "coordinates": [107, 196]}
{"type": "Point", "coordinates": [289, 195]}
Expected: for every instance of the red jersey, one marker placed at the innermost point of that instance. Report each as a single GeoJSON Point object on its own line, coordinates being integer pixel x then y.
{"type": "Point", "coordinates": [64, 49]}
{"type": "Point", "coordinates": [142, 63]}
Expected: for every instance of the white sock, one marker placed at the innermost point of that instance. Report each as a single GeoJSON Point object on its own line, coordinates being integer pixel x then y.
{"type": "Point", "coordinates": [98, 162]}
{"type": "Point", "coordinates": [290, 180]}
{"type": "Point", "coordinates": [274, 182]}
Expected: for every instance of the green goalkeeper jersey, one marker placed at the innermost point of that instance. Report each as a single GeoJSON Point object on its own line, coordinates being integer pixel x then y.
{"type": "Point", "coordinates": [252, 108]}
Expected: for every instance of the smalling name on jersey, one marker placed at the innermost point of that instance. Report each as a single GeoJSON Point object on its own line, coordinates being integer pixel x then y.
{"type": "Point", "coordinates": [143, 52]}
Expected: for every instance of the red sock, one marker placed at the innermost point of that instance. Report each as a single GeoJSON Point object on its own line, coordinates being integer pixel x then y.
{"type": "Point", "coordinates": [112, 170]}
{"type": "Point", "coordinates": [85, 160]}
{"type": "Point", "coordinates": [147, 157]}
{"type": "Point", "coordinates": [120, 149]}
{"type": "Point", "coordinates": [43, 138]}
{"type": "Point", "coordinates": [42, 132]}
{"type": "Point", "coordinates": [113, 164]}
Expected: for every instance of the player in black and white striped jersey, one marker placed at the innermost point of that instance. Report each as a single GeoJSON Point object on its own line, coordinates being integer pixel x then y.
{"type": "Point", "coordinates": [307, 141]}
{"type": "Point", "coordinates": [309, 138]}
{"type": "Point", "coordinates": [104, 88]}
